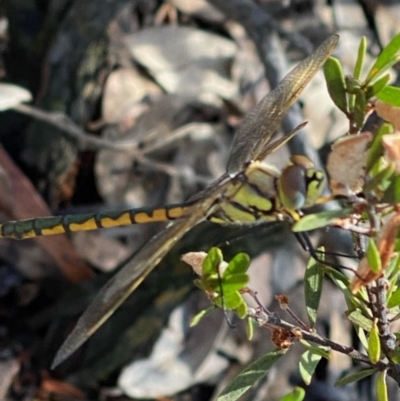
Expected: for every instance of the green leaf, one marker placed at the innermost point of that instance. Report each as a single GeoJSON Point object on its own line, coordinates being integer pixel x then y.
{"type": "Point", "coordinates": [320, 220]}
{"type": "Point", "coordinates": [335, 81]}
{"type": "Point", "coordinates": [197, 318]}
{"type": "Point", "coordinates": [308, 362]}
{"type": "Point", "coordinates": [355, 377]}
{"type": "Point", "coordinates": [313, 280]}
{"type": "Point", "coordinates": [381, 387]}
{"type": "Point", "coordinates": [212, 261]}
{"type": "Point", "coordinates": [394, 299]}
{"type": "Point", "coordinates": [376, 150]}
{"type": "Point", "coordinates": [374, 344]}
{"type": "Point", "coordinates": [359, 319]}
{"type": "Point", "coordinates": [387, 67]}
{"type": "Point", "coordinates": [297, 394]}
{"type": "Point", "coordinates": [393, 269]}
{"type": "Point", "coordinates": [234, 283]}
{"type": "Point", "coordinates": [241, 310]}
{"type": "Point", "coordinates": [361, 336]}
{"type": "Point", "coordinates": [377, 86]}
{"type": "Point", "coordinates": [360, 58]}
{"type": "Point", "coordinates": [238, 264]}
{"type": "Point", "coordinates": [232, 300]}
{"type": "Point", "coordinates": [359, 110]}
{"type": "Point", "coordinates": [390, 95]}
{"type": "Point", "coordinates": [373, 257]}
{"type": "Point", "coordinates": [249, 376]}
{"type": "Point", "coordinates": [319, 350]}
{"type": "Point", "coordinates": [392, 193]}
{"type": "Point", "coordinates": [385, 59]}
{"type": "Point", "coordinates": [382, 179]}
{"type": "Point", "coordinates": [250, 328]}
{"type": "Point", "coordinates": [394, 355]}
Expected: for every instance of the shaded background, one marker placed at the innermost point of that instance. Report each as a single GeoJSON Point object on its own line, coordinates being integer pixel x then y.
{"type": "Point", "coordinates": [153, 91]}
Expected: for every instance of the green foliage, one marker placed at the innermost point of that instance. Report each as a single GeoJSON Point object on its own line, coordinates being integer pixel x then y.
{"type": "Point", "coordinates": [319, 220]}
{"type": "Point", "coordinates": [352, 94]}
{"type": "Point", "coordinates": [373, 257]}
{"type": "Point", "coordinates": [249, 376]}
{"type": "Point", "coordinates": [336, 83]}
{"type": "Point", "coordinates": [223, 283]}
{"type": "Point", "coordinates": [374, 344]}
{"type": "Point", "coordinates": [381, 387]}
{"type": "Point", "coordinates": [297, 394]}
{"type": "Point", "coordinates": [313, 280]}
{"type": "Point", "coordinates": [364, 211]}
{"type": "Point", "coordinates": [355, 377]}
{"type": "Point", "coordinates": [308, 362]}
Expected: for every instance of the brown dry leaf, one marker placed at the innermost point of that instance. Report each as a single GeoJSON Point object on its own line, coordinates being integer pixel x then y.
{"type": "Point", "coordinates": [162, 129]}
{"type": "Point", "coordinates": [124, 89]}
{"type": "Point", "coordinates": [103, 252]}
{"type": "Point", "coordinates": [388, 113]}
{"type": "Point", "coordinates": [12, 95]}
{"type": "Point", "coordinates": [391, 144]}
{"type": "Point", "coordinates": [385, 245]}
{"type": "Point", "coordinates": [195, 260]}
{"type": "Point", "coordinates": [346, 163]}
{"type": "Point", "coordinates": [27, 203]}
{"type": "Point", "coordinates": [200, 9]}
{"type": "Point", "coordinates": [185, 60]}
{"type": "Point", "coordinates": [50, 387]}
{"type": "Point", "coordinates": [8, 371]}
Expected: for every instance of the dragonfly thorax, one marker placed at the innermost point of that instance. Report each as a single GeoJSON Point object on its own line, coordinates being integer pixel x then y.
{"type": "Point", "coordinates": [261, 192]}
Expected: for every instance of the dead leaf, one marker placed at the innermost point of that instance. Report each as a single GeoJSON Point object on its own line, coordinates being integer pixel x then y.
{"type": "Point", "coordinates": [386, 245]}
{"type": "Point", "coordinates": [27, 203]}
{"type": "Point", "coordinates": [347, 162]}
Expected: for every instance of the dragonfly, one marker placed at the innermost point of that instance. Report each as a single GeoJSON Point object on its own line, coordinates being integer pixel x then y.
{"type": "Point", "coordinates": [249, 192]}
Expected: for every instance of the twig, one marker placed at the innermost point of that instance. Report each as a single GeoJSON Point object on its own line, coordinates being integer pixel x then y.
{"type": "Point", "coordinates": [89, 142]}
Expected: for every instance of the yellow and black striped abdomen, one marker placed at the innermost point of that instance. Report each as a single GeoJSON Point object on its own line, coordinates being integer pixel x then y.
{"type": "Point", "coordinates": [251, 197]}
{"type": "Point", "coordinates": [88, 221]}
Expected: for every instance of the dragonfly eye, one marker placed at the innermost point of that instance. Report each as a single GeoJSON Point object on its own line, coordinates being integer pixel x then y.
{"type": "Point", "coordinates": [300, 184]}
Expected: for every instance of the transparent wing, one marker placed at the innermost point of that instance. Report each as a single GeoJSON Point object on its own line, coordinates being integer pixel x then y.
{"type": "Point", "coordinates": [133, 273]}
{"type": "Point", "coordinates": [259, 125]}
{"type": "Point", "coordinates": [251, 142]}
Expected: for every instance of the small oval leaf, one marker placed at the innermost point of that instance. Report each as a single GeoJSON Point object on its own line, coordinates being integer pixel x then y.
{"type": "Point", "coordinates": [360, 58]}
{"type": "Point", "coordinates": [373, 257]}
{"type": "Point", "coordinates": [320, 220]}
{"type": "Point", "coordinates": [297, 394]}
{"type": "Point", "coordinates": [381, 387]}
{"type": "Point", "coordinates": [308, 362]}
{"type": "Point", "coordinates": [197, 318]}
{"type": "Point", "coordinates": [212, 261]}
{"type": "Point", "coordinates": [249, 376]}
{"type": "Point", "coordinates": [394, 299]}
{"type": "Point", "coordinates": [374, 344]}
{"type": "Point", "coordinates": [335, 81]}
{"type": "Point", "coordinates": [313, 280]}
{"type": "Point", "coordinates": [377, 86]}
{"type": "Point", "coordinates": [385, 58]}
{"type": "Point", "coordinates": [390, 95]}
{"type": "Point", "coordinates": [238, 264]}
{"type": "Point", "coordinates": [355, 377]}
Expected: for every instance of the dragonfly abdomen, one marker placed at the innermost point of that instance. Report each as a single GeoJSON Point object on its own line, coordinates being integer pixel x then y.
{"type": "Point", "coordinates": [51, 225]}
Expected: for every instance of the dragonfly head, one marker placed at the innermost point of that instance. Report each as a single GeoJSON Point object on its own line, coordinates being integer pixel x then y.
{"type": "Point", "coordinates": [300, 184]}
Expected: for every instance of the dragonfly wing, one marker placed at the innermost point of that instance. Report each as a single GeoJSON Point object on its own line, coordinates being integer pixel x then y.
{"type": "Point", "coordinates": [259, 125]}
{"type": "Point", "coordinates": [132, 274]}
